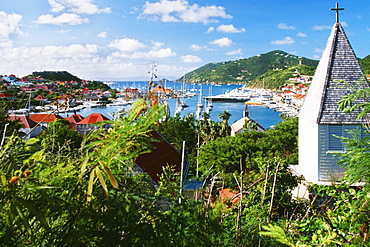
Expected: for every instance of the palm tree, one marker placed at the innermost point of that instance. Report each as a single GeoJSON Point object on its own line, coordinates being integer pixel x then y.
{"type": "Point", "coordinates": [225, 128]}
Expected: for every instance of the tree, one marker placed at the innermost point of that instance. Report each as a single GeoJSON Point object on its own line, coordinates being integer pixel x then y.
{"type": "Point", "coordinates": [356, 158]}
{"type": "Point", "coordinates": [225, 129]}
{"type": "Point", "coordinates": [59, 136]}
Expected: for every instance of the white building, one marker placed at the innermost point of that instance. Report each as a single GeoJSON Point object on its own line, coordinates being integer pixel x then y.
{"type": "Point", "coordinates": [319, 118]}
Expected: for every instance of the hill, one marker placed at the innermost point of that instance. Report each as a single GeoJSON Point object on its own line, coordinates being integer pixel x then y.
{"type": "Point", "coordinates": [245, 70]}
{"type": "Point", "coordinates": [365, 64]}
{"type": "Point", "coordinates": [275, 79]}
{"type": "Point", "coordinates": [56, 76]}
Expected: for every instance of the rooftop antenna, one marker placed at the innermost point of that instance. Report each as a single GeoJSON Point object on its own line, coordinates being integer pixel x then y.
{"type": "Point", "coordinates": [337, 9]}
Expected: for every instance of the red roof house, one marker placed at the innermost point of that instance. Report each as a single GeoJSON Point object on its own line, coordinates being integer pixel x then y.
{"type": "Point", "coordinates": [87, 124]}
{"type": "Point", "coordinates": [7, 96]}
{"type": "Point", "coordinates": [74, 119]}
{"type": "Point", "coordinates": [163, 154]}
{"type": "Point", "coordinates": [29, 128]}
{"type": "Point", "coordinates": [45, 119]}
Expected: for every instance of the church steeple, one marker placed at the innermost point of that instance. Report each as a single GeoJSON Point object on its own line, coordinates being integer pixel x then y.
{"type": "Point", "coordinates": [337, 71]}
{"type": "Point", "coordinates": [320, 122]}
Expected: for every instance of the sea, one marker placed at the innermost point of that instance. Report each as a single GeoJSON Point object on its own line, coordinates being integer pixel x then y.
{"type": "Point", "coordinates": [263, 115]}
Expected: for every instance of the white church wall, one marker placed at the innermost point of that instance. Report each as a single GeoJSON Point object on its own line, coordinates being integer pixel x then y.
{"type": "Point", "coordinates": [308, 149]}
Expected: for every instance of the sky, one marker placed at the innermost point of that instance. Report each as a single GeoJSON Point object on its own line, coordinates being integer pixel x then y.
{"type": "Point", "coordinates": [112, 40]}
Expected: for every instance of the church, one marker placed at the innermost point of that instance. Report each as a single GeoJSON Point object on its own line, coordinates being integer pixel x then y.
{"type": "Point", "coordinates": [320, 122]}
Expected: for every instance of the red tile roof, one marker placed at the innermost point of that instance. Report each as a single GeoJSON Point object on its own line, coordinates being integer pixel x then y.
{"type": "Point", "coordinates": [163, 154]}
{"type": "Point", "coordinates": [75, 118]}
{"type": "Point", "coordinates": [45, 118]}
{"type": "Point", "coordinates": [25, 121]}
{"type": "Point", "coordinates": [5, 95]}
{"type": "Point", "coordinates": [40, 97]}
{"type": "Point", "coordinates": [93, 118]}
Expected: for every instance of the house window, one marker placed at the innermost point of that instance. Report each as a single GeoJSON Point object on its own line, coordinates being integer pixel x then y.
{"type": "Point", "coordinates": [335, 143]}
{"type": "Point", "coordinates": [335, 131]}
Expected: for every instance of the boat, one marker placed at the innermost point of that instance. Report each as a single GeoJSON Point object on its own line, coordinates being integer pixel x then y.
{"type": "Point", "coordinates": [209, 106]}
{"type": "Point", "coordinates": [254, 101]}
{"type": "Point", "coordinates": [235, 95]}
{"type": "Point", "coordinates": [91, 104]}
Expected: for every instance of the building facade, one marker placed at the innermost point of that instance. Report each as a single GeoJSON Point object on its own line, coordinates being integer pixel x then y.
{"type": "Point", "coordinates": [320, 122]}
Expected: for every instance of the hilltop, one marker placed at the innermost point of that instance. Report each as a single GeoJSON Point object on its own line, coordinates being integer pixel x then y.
{"type": "Point", "coordinates": [55, 76]}
{"type": "Point", "coordinates": [245, 70]}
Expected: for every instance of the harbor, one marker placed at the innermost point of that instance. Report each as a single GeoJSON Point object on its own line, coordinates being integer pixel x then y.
{"type": "Point", "coordinates": [186, 99]}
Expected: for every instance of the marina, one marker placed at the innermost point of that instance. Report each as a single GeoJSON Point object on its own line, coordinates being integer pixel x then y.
{"type": "Point", "coordinates": [194, 103]}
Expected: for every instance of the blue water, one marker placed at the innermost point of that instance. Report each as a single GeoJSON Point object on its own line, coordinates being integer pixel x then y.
{"type": "Point", "coordinates": [261, 114]}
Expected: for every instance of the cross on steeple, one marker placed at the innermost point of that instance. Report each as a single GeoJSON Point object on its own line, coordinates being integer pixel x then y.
{"type": "Point", "coordinates": [337, 10]}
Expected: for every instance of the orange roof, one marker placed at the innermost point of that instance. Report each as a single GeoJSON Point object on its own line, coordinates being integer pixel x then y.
{"type": "Point", "coordinates": [75, 118]}
{"type": "Point", "coordinates": [25, 121]}
{"type": "Point", "coordinates": [39, 97]}
{"type": "Point", "coordinates": [45, 118]}
{"type": "Point", "coordinates": [93, 118]}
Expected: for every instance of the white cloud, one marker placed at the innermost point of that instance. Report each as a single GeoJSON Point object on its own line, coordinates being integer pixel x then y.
{"type": "Point", "coordinates": [195, 47]}
{"type": "Point", "coordinates": [181, 10]}
{"type": "Point", "coordinates": [48, 53]}
{"type": "Point", "coordinates": [285, 26]}
{"type": "Point", "coordinates": [301, 35]}
{"type": "Point", "coordinates": [161, 53]}
{"type": "Point", "coordinates": [286, 41]}
{"type": "Point", "coordinates": [235, 52]}
{"type": "Point", "coordinates": [210, 29]}
{"type": "Point", "coordinates": [152, 54]}
{"type": "Point", "coordinates": [157, 45]}
{"type": "Point", "coordinates": [230, 29]}
{"type": "Point", "coordinates": [63, 31]}
{"type": "Point", "coordinates": [126, 45]}
{"type": "Point", "coordinates": [320, 27]}
{"type": "Point", "coordinates": [222, 42]}
{"type": "Point", "coordinates": [319, 50]}
{"type": "Point", "coordinates": [9, 24]}
{"type": "Point", "coordinates": [85, 61]}
{"type": "Point", "coordinates": [191, 59]}
{"type": "Point", "coordinates": [77, 6]}
{"type": "Point", "coordinates": [134, 49]}
{"type": "Point", "coordinates": [65, 18]}
{"type": "Point", "coordinates": [368, 29]}
{"type": "Point", "coordinates": [102, 35]}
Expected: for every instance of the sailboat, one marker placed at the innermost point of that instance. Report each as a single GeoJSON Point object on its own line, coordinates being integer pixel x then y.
{"type": "Point", "coordinates": [199, 104]}
{"type": "Point", "coordinates": [209, 102]}
{"type": "Point", "coordinates": [179, 107]}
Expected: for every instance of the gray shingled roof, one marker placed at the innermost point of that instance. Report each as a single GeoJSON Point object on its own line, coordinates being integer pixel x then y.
{"type": "Point", "coordinates": [337, 72]}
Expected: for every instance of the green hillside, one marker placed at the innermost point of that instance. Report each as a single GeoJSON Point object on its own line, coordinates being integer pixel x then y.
{"type": "Point", "coordinates": [56, 76]}
{"type": "Point", "coordinates": [245, 70]}
{"type": "Point", "coordinates": [365, 64]}
{"type": "Point", "coordinates": [275, 79]}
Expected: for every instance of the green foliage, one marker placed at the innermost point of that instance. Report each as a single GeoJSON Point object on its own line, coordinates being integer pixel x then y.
{"type": "Point", "coordinates": [341, 219]}
{"type": "Point", "coordinates": [193, 131]}
{"type": "Point", "coordinates": [7, 127]}
{"type": "Point", "coordinates": [357, 100]}
{"type": "Point", "coordinates": [245, 70]}
{"type": "Point", "coordinates": [250, 146]}
{"type": "Point", "coordinates": [355, 159]}
{"type": "Point", "coordinates": [56, 76]}
{"type": "Point", "coordinates": [365, 64]}
{"type": "Point", "coordinates": [60, 137]}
